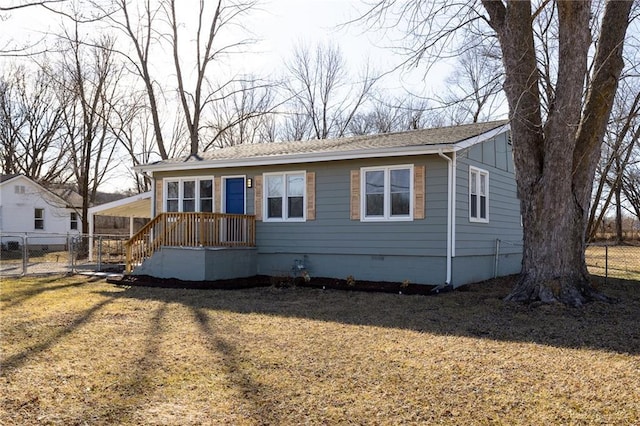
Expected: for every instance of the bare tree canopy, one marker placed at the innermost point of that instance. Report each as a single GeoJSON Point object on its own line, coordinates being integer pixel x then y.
{"type": "Point", "coordinates": [31, 125]}
{"type": "Point", "coordinates": [43, 3]}
{"type": "Point", "coordinates": [324, 99]}
{"type": "Point", "coordinates": [557, 125]}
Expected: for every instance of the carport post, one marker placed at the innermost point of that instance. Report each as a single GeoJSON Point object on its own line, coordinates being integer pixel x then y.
{"type": "Point", "coordinates": [100, 253]}
{"type": "Point", "coordinates": [91, 237]}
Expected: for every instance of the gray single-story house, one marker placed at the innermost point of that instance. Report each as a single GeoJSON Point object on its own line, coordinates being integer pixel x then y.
{"type": "Point", "coordinates": [435, 206]}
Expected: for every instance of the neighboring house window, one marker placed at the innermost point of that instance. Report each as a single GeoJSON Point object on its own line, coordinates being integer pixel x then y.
{"type": "Point", "coordinates": [19, 189]}
{"type": "Point", "coordinates": [478, 195]}
{"type": "Point", "coordinates": [74, 221]}
{"type": "Point", "coordinates": [189, 195]}
{"type": "Point", "coordinates": [387, 193]}
{"type": "Point", "coordinates": [39, 218]}
{"type": "Point", "coordinates": [285, 196]}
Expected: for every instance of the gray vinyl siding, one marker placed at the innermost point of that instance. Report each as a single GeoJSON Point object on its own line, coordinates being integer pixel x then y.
{"type": "Point", "coordinates": [333, 245]}
{"type": "Point", "coordinates": [476, 242]}
{"type": "Point", "coordinates": [333, 232]}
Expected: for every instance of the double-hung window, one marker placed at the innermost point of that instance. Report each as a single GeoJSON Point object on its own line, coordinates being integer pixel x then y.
{"type": "Point", "coordinates": [189, 195]}
{"type": "Point", "coordinates": [387, 193]}
{"type": "Point", "coordinates": [73, 224]}
{"type": "Point", "coordinates": [38, 222]}
{"type": "Point", "coordinates": [285, 196]}
{"type": "Point", "coordinates": [478, 195]}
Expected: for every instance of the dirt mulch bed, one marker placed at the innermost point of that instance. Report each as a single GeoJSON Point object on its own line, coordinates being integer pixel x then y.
{"type": "Point", "coordinates": [283, 282]}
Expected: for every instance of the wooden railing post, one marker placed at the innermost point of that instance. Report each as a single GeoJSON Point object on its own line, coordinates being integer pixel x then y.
{"type": "Point", "coordinates": [128, 259]}
{"type": "Point", "coordinates": [201, 229]}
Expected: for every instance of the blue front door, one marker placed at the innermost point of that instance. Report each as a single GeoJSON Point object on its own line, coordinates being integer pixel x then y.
{"type": "Point", "coordinates": [234, 195]}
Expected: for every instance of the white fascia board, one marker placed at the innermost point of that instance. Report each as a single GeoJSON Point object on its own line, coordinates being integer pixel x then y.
{"type": "Point", "coordinates": [300, 158]}
{"type": "Point", "coordinates": [466, 143]}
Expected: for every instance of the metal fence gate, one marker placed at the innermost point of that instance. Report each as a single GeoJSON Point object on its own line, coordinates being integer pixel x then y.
{"type": "Point", "coordinates": [28, 254]}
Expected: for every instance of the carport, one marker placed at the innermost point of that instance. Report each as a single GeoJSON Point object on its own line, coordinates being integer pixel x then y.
{"type": "Point", "coordinates": [136, 206]}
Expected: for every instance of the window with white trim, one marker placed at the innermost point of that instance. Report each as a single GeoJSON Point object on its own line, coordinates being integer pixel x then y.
{"type": "Point", "coordinates": [387, 193]}
{"type": "Point", "coordinates": [285, 196]}
{"type": "Point", "coordinates": [478, 195]}
{"type": "Point", "coordinates": [189, 195]}
{"type": "Point", "coordinates": [73, 224]}
{"type": "Point", "coordinates": [38, 222]}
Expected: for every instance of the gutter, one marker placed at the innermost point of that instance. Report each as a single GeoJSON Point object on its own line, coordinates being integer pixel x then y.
{"type": "Point", "coordinates": [451, 166]}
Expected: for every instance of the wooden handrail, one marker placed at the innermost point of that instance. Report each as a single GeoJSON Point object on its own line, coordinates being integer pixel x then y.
{"type": "Point", "coordinates": [197, 229]}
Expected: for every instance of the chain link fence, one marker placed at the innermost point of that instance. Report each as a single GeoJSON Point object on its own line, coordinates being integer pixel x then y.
{"type": "Point", "coordinates": [614, 261]}
{"type": "Point", "coordinates": [607, 260]}
{"type": "Point", "coordinates": [29, 254]}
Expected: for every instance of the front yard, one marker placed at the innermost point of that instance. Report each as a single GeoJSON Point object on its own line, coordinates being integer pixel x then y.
{"type": "Point", "coordinates": [80, 351]}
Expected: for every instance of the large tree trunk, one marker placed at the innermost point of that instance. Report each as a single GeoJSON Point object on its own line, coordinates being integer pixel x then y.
{"type": "Point", "coordinates": [553, 265]}
{"type": "Point", "coordinates": [556, 158]}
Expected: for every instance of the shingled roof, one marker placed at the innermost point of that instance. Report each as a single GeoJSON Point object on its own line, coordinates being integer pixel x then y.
{"type": "Point", "coordinates": [335, 148]}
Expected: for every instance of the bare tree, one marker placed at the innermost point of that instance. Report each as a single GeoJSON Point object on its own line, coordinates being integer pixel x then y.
{"type": "Point", "coordinates": [30, 125]}
{"type": "Point", "coordinates": [323, 102]}
{"type": "Point", "coordinates": [631, 188]}
{"type": "Point", "coordinates": [139, 24]}
{"type": "Point", "coordinates": [392, 114]}
{"type": "Point", "coordinates": [474, 90]}
{"type": "Point", "coordinates": [42, 3]}
{"type": "Point", "coordinates": [208, 48]}
{"type": "Point", "coordinates": [620, 141]}
{"type": "Point", "coordinates": [88, 78]}
{"type": "Point", "coordinates": [242, 115]}
{"type": "Point", "coordinates": [555, 150]}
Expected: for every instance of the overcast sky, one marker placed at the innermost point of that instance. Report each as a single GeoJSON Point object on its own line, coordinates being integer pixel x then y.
{"type": "Point", "coordinates": [280, 25]}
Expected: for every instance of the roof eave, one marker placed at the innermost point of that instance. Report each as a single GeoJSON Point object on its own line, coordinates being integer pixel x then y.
{"type": "Point", "coordinates": [466, 143]}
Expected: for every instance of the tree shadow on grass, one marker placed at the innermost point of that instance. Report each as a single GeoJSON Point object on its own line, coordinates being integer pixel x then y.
{"type": "Point", "coordinates": [477, 311]}
{"type": "Point", "coordinates": [16, 298]}
{"type": "Point", "coordinates": [14, 361]}
{"type": "Point", "coordinates": [237, 377]}
{"type": "Point", "coordinates": [138, 378]}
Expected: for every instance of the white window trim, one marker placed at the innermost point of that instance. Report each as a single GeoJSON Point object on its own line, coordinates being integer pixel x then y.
{"type": "Point", "coordinates": [480, 172]}
{"type": "Point", "coordinates": [285, 205]}
{"type": "Point", "coordinates": [223, 190]}
{"type": "Point", "coordinates": [44, 223]}
{"type": "Point", "coordinates": [387, 217]}
{"type": "Point", "coordinates": [180, 180]}
{"type": "Point", "coordinates": [72, 220]}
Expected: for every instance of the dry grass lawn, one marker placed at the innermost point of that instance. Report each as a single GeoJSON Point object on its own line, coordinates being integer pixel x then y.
{"type": "Point", "coordinates": [79, 351]}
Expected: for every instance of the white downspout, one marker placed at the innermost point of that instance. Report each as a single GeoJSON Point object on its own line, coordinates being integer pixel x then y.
{"type": "Point", "coordinates": [454, 185]}
{"type": "Point", "coordinates": [450, 213]}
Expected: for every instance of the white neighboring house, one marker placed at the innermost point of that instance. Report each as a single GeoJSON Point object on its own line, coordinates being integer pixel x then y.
{"type": "Point", "coordinates": [26, 207]}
